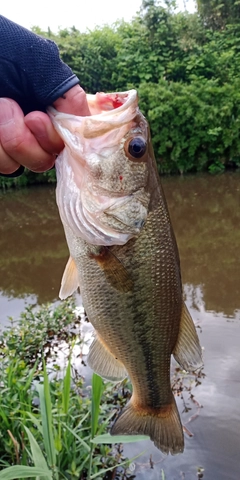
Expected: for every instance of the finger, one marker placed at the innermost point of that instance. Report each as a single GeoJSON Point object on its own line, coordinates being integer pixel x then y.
{"type": "Point", "coordinates": [17, 140]}
{"type": "Point", "coordinates": [74, 101]}
{"type": "Point", "coordinates": [42, 128]}
{"type": "Point", "coordinates": [7, 164]}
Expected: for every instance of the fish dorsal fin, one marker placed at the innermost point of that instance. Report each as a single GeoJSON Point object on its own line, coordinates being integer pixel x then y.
{"type": "Point", "coordinates": [114, 270]}
{"type": "Point", "coordinates": [103, 362]}
{"type": "Point", "coordinates": [70, 281]}
{"type": "Point", "coordinates": [187, 350]}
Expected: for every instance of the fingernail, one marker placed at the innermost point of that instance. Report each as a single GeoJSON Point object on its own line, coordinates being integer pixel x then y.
{"type": "Point", "coordinates": [6, 111]}
{"type": "Point", "coordinates": [37, 127]}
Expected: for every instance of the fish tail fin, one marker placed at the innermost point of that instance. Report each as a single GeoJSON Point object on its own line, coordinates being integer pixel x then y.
{"type": "Point", "coordinates": [162, 425]}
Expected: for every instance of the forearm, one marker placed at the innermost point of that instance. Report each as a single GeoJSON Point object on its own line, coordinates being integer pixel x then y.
{"type": "Point", "coordinates": [32, 72]}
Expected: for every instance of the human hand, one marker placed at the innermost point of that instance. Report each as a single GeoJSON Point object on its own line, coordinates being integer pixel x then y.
{"type": "Point", "coordinates": [32, 141]}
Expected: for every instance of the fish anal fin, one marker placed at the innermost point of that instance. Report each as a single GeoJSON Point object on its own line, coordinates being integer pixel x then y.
{"type": "Point", "coordinates": [103, 362]}
{"type": "Point", "coordinates": [115, 272]}
{"type": "Point", "coordinates": [162, 425]}
{"type": "Point", "coordinates": [70, 281]}
{"type": "Point", "coordinates": [187, 351]}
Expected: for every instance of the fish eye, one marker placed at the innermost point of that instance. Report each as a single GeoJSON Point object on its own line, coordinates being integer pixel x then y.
{"type": "Point", "coordinates": [136, 147]}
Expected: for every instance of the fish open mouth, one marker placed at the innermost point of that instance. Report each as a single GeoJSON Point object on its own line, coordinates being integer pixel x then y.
{"type": "Point", "coordinates": [107, 102]}
{"type": "Point", "coordinates": [109, 112]}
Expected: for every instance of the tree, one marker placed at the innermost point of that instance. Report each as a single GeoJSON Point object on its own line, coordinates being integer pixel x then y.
{"type": "Point", "coordinates": [216, 14]}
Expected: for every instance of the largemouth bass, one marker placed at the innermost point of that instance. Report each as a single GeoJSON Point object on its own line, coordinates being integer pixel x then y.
{"type": "Point", "coordinates": [124, 257]}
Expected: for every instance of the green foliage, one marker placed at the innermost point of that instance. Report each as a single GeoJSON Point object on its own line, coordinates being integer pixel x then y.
{"type": "Point", "coordinates": [46, 427]}
{"type": "Point", "coordinates": [218, 13]}
{"type": "Point", "coordinates": [48, 326]}
{"type": "Point", "coordinates": [148, 45]}
{"type": "Point", "coordinates": [194, 127]}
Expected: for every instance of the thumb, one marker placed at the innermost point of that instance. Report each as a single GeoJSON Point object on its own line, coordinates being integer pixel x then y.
{"type": "Point", "coordinates": [74, 101]}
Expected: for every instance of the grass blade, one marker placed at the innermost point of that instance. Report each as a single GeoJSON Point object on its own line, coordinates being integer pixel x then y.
{"type": "Point", "coordinates": [46, 417]}
{"type": "Point", "coordinates": [36, 422]}
{"type": "Point", "coordinates": [107, 438]}
{"type": "Point", "coordinates": [37, 456]}
{"type": "Point", "coordinates": [97, 389]}
{"type": "Point", "coordinates": [31, 375]}
{"type": "Point", "coordinates": [66, 388]}
{"type": "Point", "coordinates": [83, 443]}
{"type": "Point", "coordinates": [19, 471]}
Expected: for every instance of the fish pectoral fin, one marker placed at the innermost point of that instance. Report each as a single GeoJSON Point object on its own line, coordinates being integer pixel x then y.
{"type": "Point", "coordinates": [70, 281]}
{"type": "Point", "coordinates": [162, 425]}
{"type": "Point", "coordinates": [103, 362]}
{"type": "Point", "coordinates": [115, 272]}
{"type": "Point", "coordinates": [187, 350]}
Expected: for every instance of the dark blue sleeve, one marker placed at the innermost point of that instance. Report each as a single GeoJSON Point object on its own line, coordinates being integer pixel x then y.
{"type": "Point", "coordinates": [31, 71]}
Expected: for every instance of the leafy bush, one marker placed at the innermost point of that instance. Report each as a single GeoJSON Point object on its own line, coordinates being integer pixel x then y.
{"type": "Point", "coordinates": [194, 126]}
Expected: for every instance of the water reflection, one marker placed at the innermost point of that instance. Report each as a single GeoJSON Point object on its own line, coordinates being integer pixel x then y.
{"type": "Point", "coordinates": [206, 216]}
{"type": "Point", "coordinates": [32, 244]}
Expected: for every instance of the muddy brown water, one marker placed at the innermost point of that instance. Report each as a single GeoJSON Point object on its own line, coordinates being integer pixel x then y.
{"type": "Point", "coordinates": [205, 212]}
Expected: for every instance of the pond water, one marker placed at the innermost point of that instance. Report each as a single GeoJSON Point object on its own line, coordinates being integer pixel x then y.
{"type": "Point", "coordinates": [205, 213]}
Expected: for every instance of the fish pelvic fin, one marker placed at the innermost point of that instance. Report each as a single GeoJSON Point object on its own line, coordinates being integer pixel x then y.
{"type": "Point", "coordinates": [104, 363]}
{"type": "Point", "coordinates": [187, 351]}
{"type": "Point", "coordinates": [162, 425]}
{"type": "Point", "coordinates": [70, 281]}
